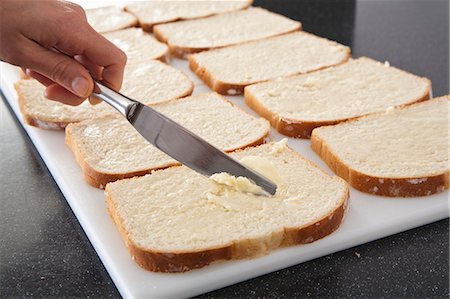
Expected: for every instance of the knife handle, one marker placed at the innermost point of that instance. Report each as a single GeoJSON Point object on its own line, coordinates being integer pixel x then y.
{"type": "Point", "coordinates": [121, 103]}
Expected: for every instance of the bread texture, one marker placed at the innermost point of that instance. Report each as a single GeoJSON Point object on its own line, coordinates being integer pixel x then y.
{"type": "Point", "coordinates": [403, 152]}
{"type": "Point", "coordinates": [298, 104]}
{"type": "Point", "coordinates": [150, 13]}
{"type": "Point", "coordinates": [175, 220]}
{"type": "Point", "coordinates": [192, 36]}
{"type": "Point", "coordinates": [110, 18]}
{"type": "Point", "coordinates": [152, 82]}
{"type": "Point", "coordinates": [138, 45]}
{"type": "Point", "coordinates": [109, 148]}
{"type": "Point", "coordinates": [228, 70]}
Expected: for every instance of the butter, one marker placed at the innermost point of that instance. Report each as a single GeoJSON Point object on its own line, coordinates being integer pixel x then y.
{"type": "Point", "coordinates": [243, 184]}
{"type": "Point", "coordinates": [262, 166]}
{"type": "Point", "coordinates": [311, 82]}
{"type": "Point", "coordinates": [389, 110]}
{"type": "Point", "coordinates": [279, 146]}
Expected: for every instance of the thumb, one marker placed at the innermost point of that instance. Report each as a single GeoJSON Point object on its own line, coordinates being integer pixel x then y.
{"type": "Point", "coordinates": [61, 69]}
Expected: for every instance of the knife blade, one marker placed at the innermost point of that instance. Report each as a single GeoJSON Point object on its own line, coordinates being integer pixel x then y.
{"type": "Point", "coordinates": [178, 142]}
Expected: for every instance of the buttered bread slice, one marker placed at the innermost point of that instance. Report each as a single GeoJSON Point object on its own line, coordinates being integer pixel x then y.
{"type": "Point", "coordinates": [138, 45]}
{"type": "Point", "coordinates": [155, 12]}
{"type": "Point", "coordinates": [402, 152]}
{"type": "Point", "coordinates": [109, 148]}
{"type": "Point", "coordinates": [109, 18]}
{"type": "Point", "coordinates": [176, 220]}
{"type": "Point", "coordinates": [298, 104]}
{"type": "Point", "coordinates": [228, 70]}
{"type": "Point", "coordinates": [192, 36]}
{"type": "Point", "coordinates": [151, 82]}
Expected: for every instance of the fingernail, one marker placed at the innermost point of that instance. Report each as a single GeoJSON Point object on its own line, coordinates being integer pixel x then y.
{"type": "Point", "coordinates": [80, 86]}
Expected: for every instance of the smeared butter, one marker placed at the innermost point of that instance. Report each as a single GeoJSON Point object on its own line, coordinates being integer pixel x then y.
{"type": "Point", "coordinates": [239, 183]}
{"type": "Point", "coordinates": [279, 146]}
{"type": "Point", "coordinates": [243, 184]}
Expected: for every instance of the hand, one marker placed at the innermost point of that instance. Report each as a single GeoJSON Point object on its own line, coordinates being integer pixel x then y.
{"type": "Point", "coordinates": [54, 43]}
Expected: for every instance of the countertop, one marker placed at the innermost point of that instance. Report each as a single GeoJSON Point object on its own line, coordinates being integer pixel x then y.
{"type": "Point", "coordinates": [45, 253]}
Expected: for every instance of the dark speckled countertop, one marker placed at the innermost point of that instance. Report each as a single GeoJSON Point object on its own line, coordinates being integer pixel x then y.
{"type": "Point", "coordinates": [45, 253]}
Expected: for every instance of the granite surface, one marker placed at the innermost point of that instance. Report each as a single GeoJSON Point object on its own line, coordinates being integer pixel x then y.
{"type": "Point", "coordinates": [44, 252]}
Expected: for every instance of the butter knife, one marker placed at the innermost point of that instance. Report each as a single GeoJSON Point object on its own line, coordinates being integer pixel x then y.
{"type": "Point", "coordinates": [178, 142]}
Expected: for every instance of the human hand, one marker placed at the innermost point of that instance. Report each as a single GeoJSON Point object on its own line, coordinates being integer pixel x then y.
{"type": "Point", "coordinates": [52, 40]}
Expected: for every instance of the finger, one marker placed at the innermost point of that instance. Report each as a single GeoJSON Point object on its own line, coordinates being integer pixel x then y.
{"type": "Point", "coordinates": [42, 79]}
{"type": "Point", "coordinates": [99, 51]}
{"type": "Point", "coordinates": [94, 100]}
{"type": "Point", "coordinates": [59, 68]}
{"type": "Point", "coordinates": [55, 92]}
{"type": "Point", "coordinates": [94, 69]}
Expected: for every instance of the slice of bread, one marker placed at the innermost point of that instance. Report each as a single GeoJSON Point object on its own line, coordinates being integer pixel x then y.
{"type": "Point", "coordinates": [151, 82]}
{"type": "Point", "coordinates": [228, 70]}
{"type": "Point", "coordinates": [109, 18]}
{"type": "Point", "coordinates": [402, 152]}
{"type": "Point", "coordinates": [151, 13]}
{"type": "Point", "coordinates": [139, 46]}
{"type": "Point", "coordinates": [175, 220]}
{"type": "Point", "coordinates": [43, 113]}
{"type": "Point", "coordinates": [109, 148]}
{"type": "Point", "coordinates": [298, 104]}
{"type": "Point", "coordinates": [192, 36]}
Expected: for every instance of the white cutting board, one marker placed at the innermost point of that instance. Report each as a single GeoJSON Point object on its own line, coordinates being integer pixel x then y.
{"type": "Point", "coordinates": [368, 217]}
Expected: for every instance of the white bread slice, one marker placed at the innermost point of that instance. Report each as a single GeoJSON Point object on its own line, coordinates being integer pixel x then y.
{"type": "Point", "coordinates": [298, 104]}
{"type": "Point", "coordinates": [43, 113]}
{"type": "Point", "coordinates": [228, 70]}
{"type": "Point", "coordinates": [109, 18]}
{"type": "Point", "coordinates": [402, 152]}
{"type": "Point", "coordinates": [109, 148]}
{"type": "Point", "coordinates": [175, 220]}
{"type": "Point", "coordinates": [192, 36]}
{"type": "Point", "coordinates": [151, 82]}
{"type": "Point", "coordinates": [155, 12]}
{"type": "Point", "coordinates": [138, 45]}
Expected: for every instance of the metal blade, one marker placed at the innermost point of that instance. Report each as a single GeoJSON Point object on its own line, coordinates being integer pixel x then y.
{"type": "Point", "coordinates": [189, 149]}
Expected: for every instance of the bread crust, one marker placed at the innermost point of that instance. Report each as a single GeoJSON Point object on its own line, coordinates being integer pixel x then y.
{"type": "Point", "coordinates": [175, 51]}
{"type": "Point", "coordinates": [384, 186]}
{"type": "Point", "coordinates": [225, 88]}
{"type": "Point", "coordinates": [184, 52]}
{"type": "Point", "coordinates": [31, 120]}
{"type": "Point", "coordinates": [148, 27]}
{"type": "Point", "coordinates": [247, 248]}
{"type": "Point", "coordinates": [131, 23]}
{"type": "Point", "coordinates": [218, 86]}
{"type": "Point", "coordinates": [99, 179]}
{"type": "Point", "coordinates": [46, 123]}
{"type": "Point", "coordinates": [302, 129]}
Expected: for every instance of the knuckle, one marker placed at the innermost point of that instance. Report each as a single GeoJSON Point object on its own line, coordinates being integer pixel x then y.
{"type": "Point", "coordinates": [70, 16]}
{"type": "Point", "coordinates": [79, 10]}
{"type": "Point", "coordinates": [59, 72]}
{"type": "Point", "coordinates": [76, 7]}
